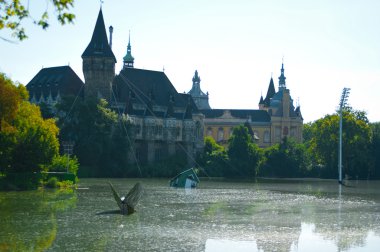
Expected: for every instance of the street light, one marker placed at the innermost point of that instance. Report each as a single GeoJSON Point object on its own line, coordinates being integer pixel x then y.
{"type": "Point", "coordinates": [342, 104]}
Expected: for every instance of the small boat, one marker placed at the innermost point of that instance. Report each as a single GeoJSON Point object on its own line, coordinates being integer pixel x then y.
{"type": "Point", "coordinates": [186, 179]}
{"type": "Point", "coordinates": [128, 203]}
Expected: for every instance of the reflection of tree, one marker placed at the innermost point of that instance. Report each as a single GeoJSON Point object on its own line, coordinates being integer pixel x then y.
{"type": "Point", "coordinates": [277, 227]}
{"type": "Point", "coordinates": [28, 219]}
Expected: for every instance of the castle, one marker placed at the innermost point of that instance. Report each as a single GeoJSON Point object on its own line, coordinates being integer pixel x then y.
{"type": "Point", "coordinates": [275, 119]}
{"type": "Point", "coordinates": [163, 121]}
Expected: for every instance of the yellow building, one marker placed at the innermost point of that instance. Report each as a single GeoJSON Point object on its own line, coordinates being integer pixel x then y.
{"type": "Point", "coordinates": [275, 119]}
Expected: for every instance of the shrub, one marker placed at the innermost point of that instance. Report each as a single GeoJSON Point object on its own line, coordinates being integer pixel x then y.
{"type": "Point", "coordinates": [52, 182]}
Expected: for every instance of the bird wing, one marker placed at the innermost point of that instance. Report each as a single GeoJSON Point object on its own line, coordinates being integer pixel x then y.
{"type": "Point", "coordinates": [116, 196]}
{"type": "Point", "coordinates": [134, 195]}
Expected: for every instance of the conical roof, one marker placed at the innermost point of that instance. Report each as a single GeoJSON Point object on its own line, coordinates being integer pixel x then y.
{"type": "Point", "coordinates": [98, 45]}
{"type": "Point", "coordinates": [270, 93]}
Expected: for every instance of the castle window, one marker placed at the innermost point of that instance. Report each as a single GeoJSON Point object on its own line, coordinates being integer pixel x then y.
{"type": "Point", "coordinates": [231, 131]}
{"type": "Point", "coordinates": [256, 136]}
{"type": "Point", "coordinates": [198, 131]}
{"type": "Point", "coordinates": [285, 131]}
{"type": "Point", "coordinates": [209, 131]}
{"type": "Point", "coordinates": [277, 134]}
{"type": "Point", "coordinates": [220, 134]}
{"type": "Point", "coordinates": [266, 137]}
{"type": "Point", "coordinates": [293, 131]}
{"type": "Point", "coordinates": [138, 129]}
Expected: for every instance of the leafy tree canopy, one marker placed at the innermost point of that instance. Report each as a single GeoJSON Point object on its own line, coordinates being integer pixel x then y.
{"type": "Point", "coordinates": [28, 142]}
{"type": "Point", "coordinates": [287, 159]}
{"type": "Point", "coordinates": [244, 155]}
{"type": "Point", "coordinates": [213, 159]}
{"type": "Point", "coordinates": [100, 135]}
{"type": "Point", "coordinates": [356, 137]}
{"type": "Point", "coordinates": [13, 12]}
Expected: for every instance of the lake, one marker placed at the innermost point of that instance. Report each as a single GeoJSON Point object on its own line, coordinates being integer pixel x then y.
{"type": "Point", "coordinates": [268, 215]}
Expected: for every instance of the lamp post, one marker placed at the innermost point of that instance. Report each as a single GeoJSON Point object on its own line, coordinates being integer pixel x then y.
{"type": "Point", "coordinates": [342, 104]}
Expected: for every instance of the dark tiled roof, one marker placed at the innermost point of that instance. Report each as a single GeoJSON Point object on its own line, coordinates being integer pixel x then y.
{"type": "Point", "coordinates": [253, 114]}
{"type": "Point", "coordinates": [98, 45]}
{"type": "Point", "coordinates": [150, 88]}
{"type": "Point", "coordinates": [52, 79]}
{"type": "Point", "coordinates": [271, 91]}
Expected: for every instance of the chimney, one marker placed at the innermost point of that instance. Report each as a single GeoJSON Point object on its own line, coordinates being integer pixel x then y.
{"type": "Point", "coordinates": [111, 31]}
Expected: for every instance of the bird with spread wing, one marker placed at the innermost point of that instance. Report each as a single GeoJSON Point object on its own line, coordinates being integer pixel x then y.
{"type": "Point", "coordinates": [128, 203]}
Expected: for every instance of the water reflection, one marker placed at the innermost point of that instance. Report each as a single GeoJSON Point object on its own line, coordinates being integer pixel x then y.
{"type": "Point", "coordinates": [28, 219]}
{"type": "Point", "coordinates": [263, 216]}
{"type": "Point", "coordinates": [307, 241]}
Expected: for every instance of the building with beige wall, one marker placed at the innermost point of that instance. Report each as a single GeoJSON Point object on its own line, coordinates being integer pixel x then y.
{"type": "Point", "coordinates": [275, 119]}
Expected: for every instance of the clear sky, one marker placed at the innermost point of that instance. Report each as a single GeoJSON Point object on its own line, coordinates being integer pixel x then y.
{"type": "Point", "coordinates": [235, 45]}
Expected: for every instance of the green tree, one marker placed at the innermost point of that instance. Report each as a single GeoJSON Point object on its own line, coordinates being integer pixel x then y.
{"type": "Point", "coordinates": [244, 155]}
{"type": "Point", "coordinates": [287, 159]}
{"type": "Point", "coordinates": [375, 150]}
{"type": "Point", "coordinates": [28, 143]}
{"type": "Point", "coordinates": [100, 136]}
{"type": "Point", "coordinates": [356, 144]}
{"type": "Point", "coordinates": [13, 12]}
{"type": "Point", "coordinates": [213, 159]}
{"type": "Point", "coordinates": [36, 140]}
{"type": "Point", "coordinates": [10, 100]}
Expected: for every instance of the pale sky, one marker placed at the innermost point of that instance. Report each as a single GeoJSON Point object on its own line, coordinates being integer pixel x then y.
{"type": "Point", "coordinates": [235, 45]}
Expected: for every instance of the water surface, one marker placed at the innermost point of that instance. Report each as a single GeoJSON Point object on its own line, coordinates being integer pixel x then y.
{"type": "Point", "coordinates": [284, 215]}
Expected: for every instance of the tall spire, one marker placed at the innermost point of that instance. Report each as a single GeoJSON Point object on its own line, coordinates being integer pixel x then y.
{"type": "Point", "coordinates": [128, 58]}
{"type": "Point", "coordinates": [196, 83]}
{"type": "Point", "coordinates": [98, 46]}
{"type": "Point", "coordinates": [282, 78]}
{"type": "Point", "coordinates": [200, 98]}
{"type": "Point", "coordinates": [270, 93]}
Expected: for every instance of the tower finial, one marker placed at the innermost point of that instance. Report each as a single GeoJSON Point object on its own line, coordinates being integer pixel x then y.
{"type": "Point", "coordinates": [128, 58]}
{"type": "Point", "coordinates": [129, 37]}
{"type": "Point", "coordinates": [282, 78]}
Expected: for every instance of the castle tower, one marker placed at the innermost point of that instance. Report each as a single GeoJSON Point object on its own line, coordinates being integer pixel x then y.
{"type": "Point", "coordinates": [281, 79]}
{"type": "Point", "coordinates": [200, 98]}
{"type": "Point", "coordinates": [128, 58]}
{"type": "Point", "coordinates": [98, 63]}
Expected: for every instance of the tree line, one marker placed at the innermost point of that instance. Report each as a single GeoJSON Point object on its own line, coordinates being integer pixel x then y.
{"type": "Point", "coordinates": [30, 138]}
{"type": "Point", "coordinates": [316, 157]}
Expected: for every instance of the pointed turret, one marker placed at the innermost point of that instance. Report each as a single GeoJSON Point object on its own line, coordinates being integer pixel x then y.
{"type": "Point", "coordinates": [98, 46]}
{"type": "Point", "coordinates": [98, 64]}
{"type": "Point", "coordinates": [200, 98]}
{"type": "Point", "coordinates": [261, 100]}
{"type": "Point", "coordinates": [196, 83]}
{"type": "Point", "coordinates": [282, 78]}
{"type": "Point", "coordinates": [270, 93]}
{"type": "Point", "coordinates": [128, 58]}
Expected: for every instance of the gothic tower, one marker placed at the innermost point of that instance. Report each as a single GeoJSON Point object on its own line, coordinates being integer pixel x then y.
{"type": "Point", "coordinates": [200, 98]}
{"type": "Point", "coordinates": [98, 63]}
{"type": "Point", "coordinates": [282, 78]}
